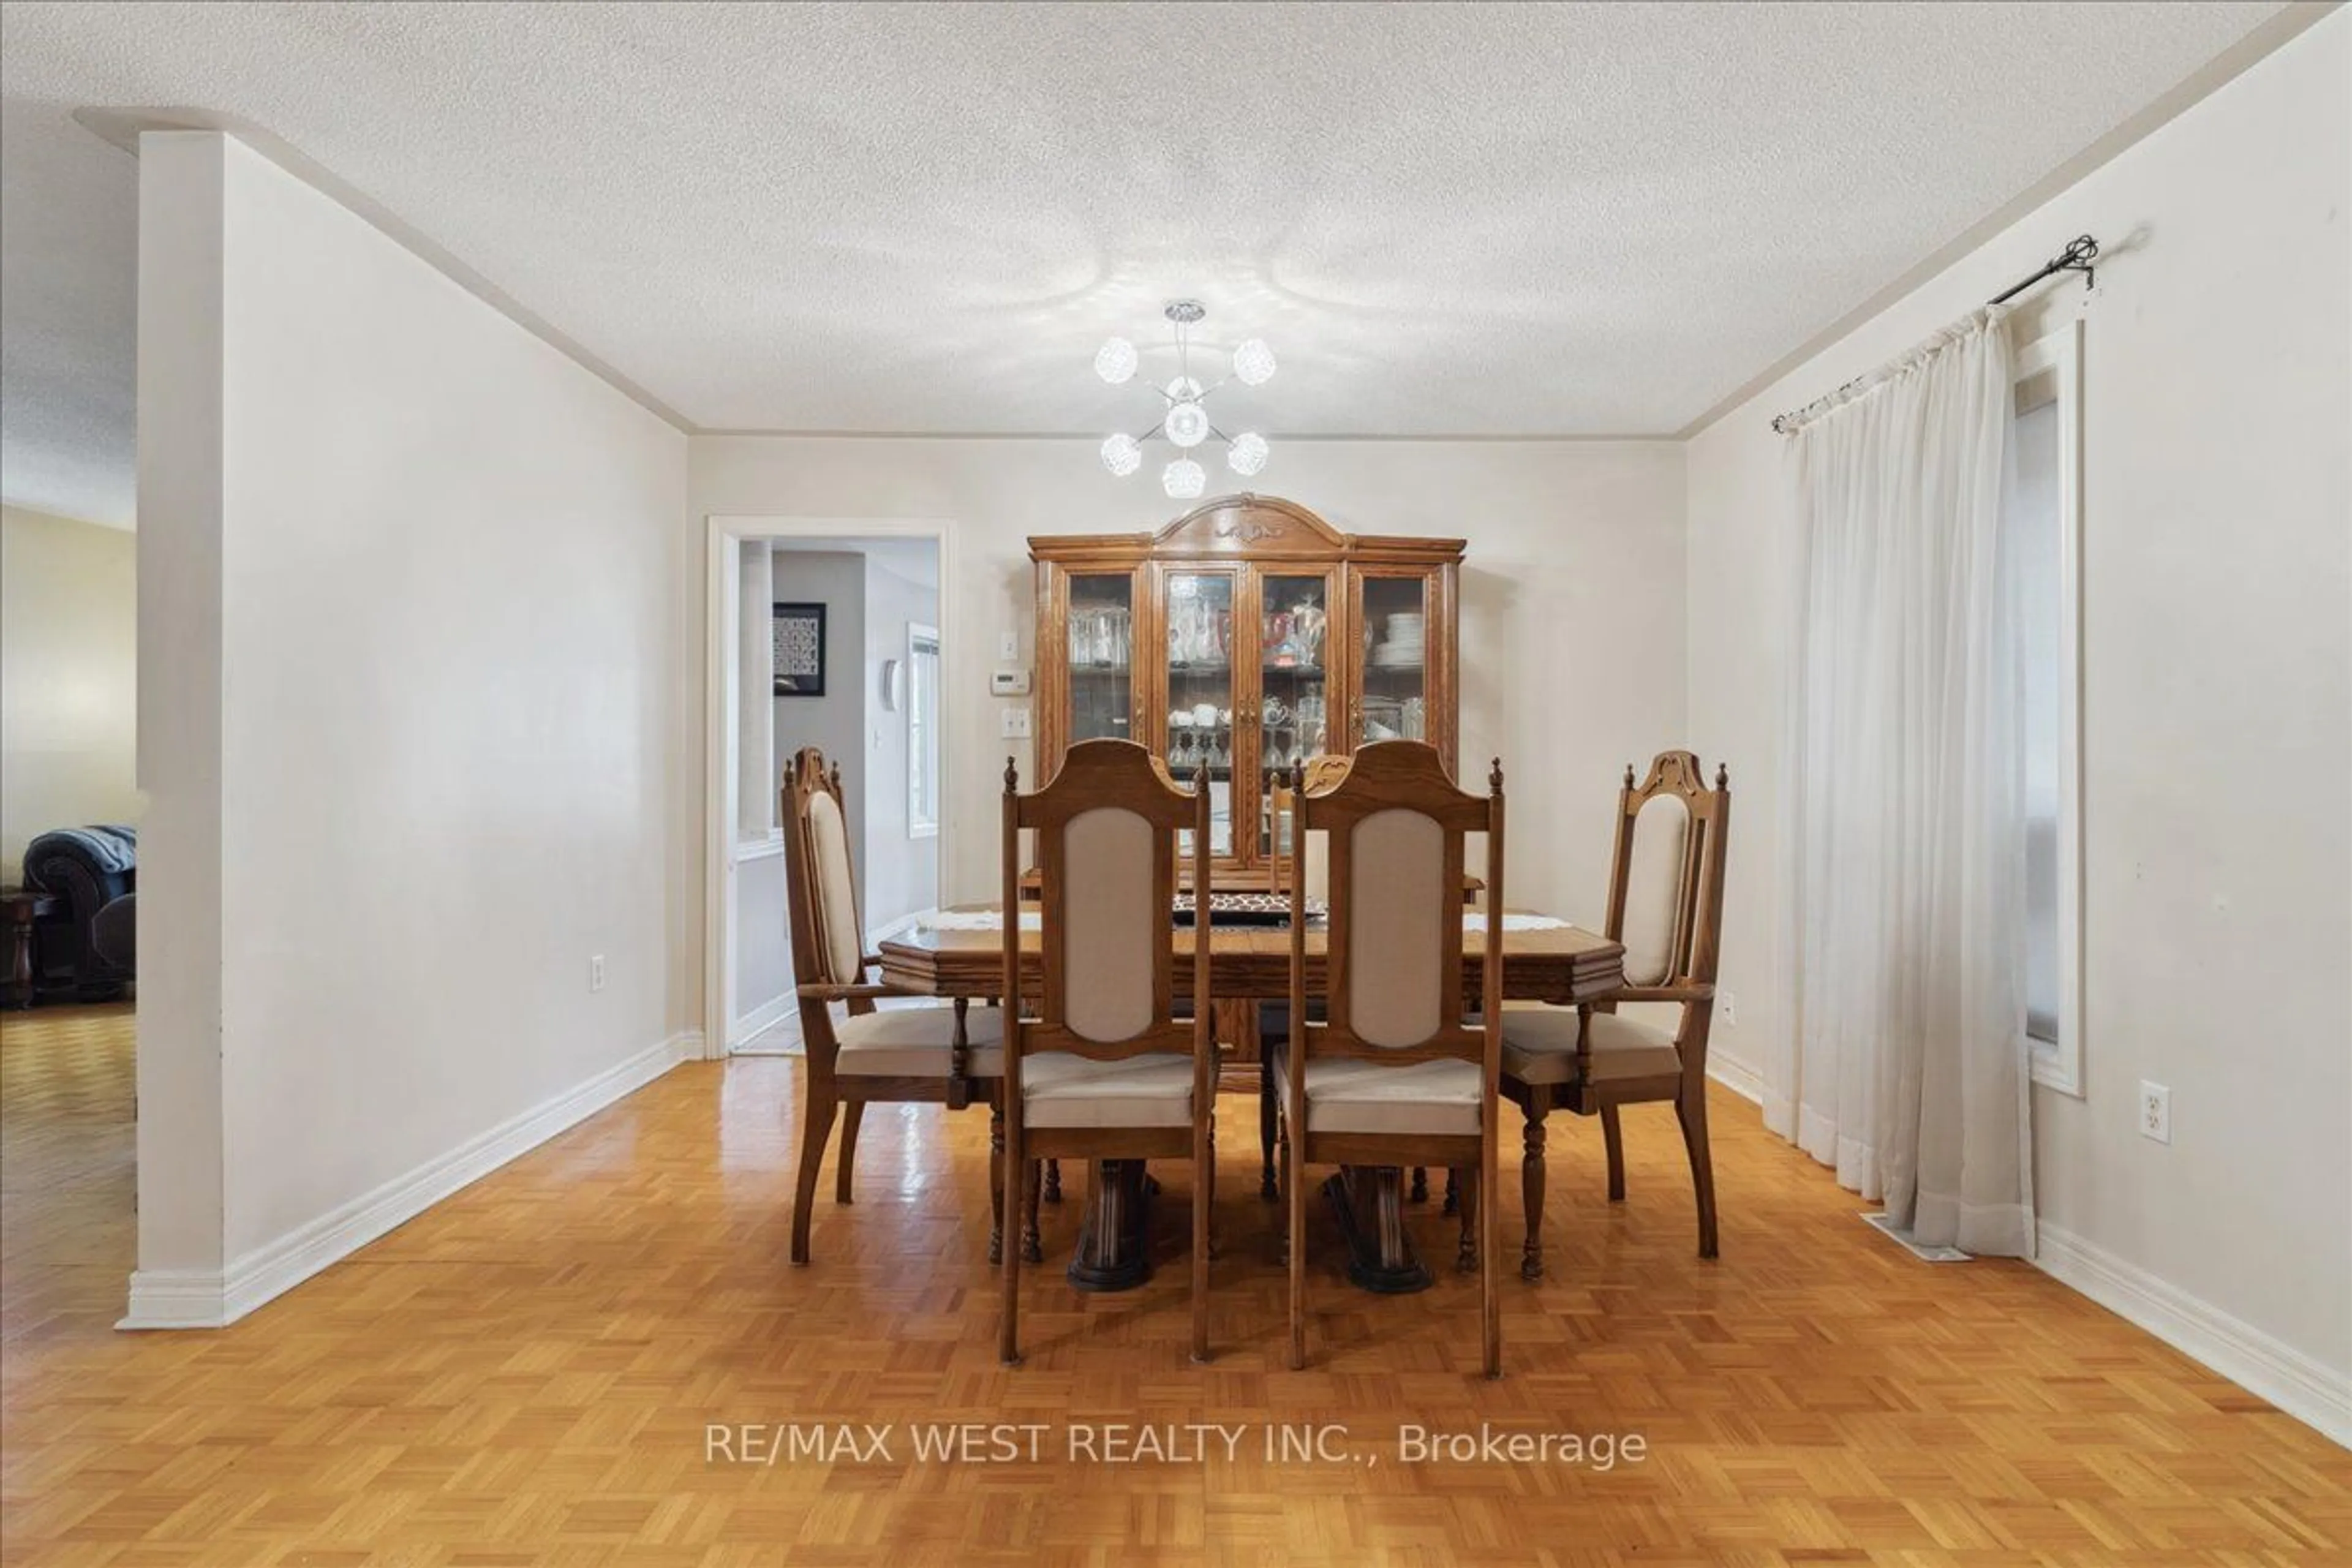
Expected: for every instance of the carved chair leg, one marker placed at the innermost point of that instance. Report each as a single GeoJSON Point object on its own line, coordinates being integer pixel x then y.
{"type": "Point", "coordinates": [1208, 1185]}
{"type": "Point", "coordinates": [816, 1126]}
{"type": "Point", "coordinates": [1268, 1115]}
{"type": "Point", "coordinates": [1008, 1343]}
{"type": "Point", "coordinates": [1294, 1245]}
{"type": "Point", "coordinates": [1691, 1111]}
{"type": "Point", "coordinates": [1531, 1183]}
{"type": "Point", "coordinates": [1419, 1194]}
{"type": "Point", "coordinates": [1281, 1142]}
{"type": "Point", "coordinates": [1053, 1193]}
{"type": "Point", "coordinates": [852, 1114]}
{"type": "Point", "coordinates": [1466, 1260]}
{"type": "Point", "coordinates": [1453, 1193]}
{"type": "Point", "coordinates": [996, 1183]}
{"type": "Point", "coordinates": [1032, 1248]}
{"type": "Point", "coordinates": [1204, 1232]}
{"type": "Point", "coordinates": [1612, 1138]}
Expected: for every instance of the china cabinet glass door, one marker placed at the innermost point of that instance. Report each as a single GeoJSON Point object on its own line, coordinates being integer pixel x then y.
{"type": "Point", "coordinates": [1203, 689]}
{"type": "Point", "coordinates": [1101, 628]}
{"type": "Point", "coordinates": [1392, 622]}
{"type": "Point", "coordinates": [1296, 656]}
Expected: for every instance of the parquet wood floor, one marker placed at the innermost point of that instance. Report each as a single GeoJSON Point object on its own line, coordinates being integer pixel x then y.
{"type": "Point", "coordinates": [525, 1375]}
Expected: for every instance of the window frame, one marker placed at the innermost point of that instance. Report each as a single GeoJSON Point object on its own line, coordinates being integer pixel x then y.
{"type": "Point", "coordinates": [923, 738]}
{"type": "Point", "coordinates": [2058, 354]}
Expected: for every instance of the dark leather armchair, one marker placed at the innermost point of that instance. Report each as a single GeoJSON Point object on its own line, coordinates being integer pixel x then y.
{"type": "Point", "coordinates": [89, 867]}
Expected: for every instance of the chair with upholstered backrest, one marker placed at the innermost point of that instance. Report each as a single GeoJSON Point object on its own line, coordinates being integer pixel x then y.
{"type": "Point", "coordinates": [1396, 1072]}
{"type": "Point", "coordinates": [1665, 906]}
{"type": "Point", "coordinates": [947, 1055]}
{"type": "Point", "coordinates": [1096, 1064]}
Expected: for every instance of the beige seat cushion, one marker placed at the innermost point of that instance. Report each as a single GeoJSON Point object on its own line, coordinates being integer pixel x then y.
{"type": "Point", "coordinates": [1539, 1046]}
{"type": "Point", "coordinates": [915, 1042]}
{"type": "Point", "coordinates": [1062, 1089]}
{"type": "Point", "coordinates": [1346, 1095]}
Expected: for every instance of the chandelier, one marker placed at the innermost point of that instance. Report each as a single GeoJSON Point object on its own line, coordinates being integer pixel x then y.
{"type": "Point", "coordinates": [1183, 421]}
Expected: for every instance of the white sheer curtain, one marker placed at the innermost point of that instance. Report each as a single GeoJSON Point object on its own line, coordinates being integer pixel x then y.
{"type": "Point", "coordinates": [1904, 939]}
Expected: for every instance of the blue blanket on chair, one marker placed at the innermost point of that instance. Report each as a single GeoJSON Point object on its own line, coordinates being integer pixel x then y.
{"type": "Point", "coordinates": [110, 847]}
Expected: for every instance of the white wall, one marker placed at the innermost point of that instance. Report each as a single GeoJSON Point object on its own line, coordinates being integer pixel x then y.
{"type": "Point", "coordinates": [2217, 702]}
{"type": "Point", "coordinates": [901, 874]}
{"type": "Point", "coordinates": [1571, 613]}
{"type": "Point", "coordinates": [834, 722]}
{"type": "Point", "coordinates": [68, 679]}
{"type": "Point", "coordinates": [763, 942]}
{"type": "Point", "coordinates": [420, 656]}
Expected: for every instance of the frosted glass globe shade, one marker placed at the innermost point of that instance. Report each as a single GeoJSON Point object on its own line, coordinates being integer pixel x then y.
{"type": "Point", "coordinates": [1254, 362]}
{"type": "Point", "coordinates": [1188, 425]}
{"type": "Point", "coordinates": [1122, 455]}
{"type": "Point", "coordinates": [1182, 480]}
{"type": "Point", "coordinates": [1115, 362]}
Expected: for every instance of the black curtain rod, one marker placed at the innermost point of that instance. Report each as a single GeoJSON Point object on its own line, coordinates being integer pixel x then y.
{"type": "Point", "coordinates": [2078, 257]}
{"type": "Point", "coordinates": [2081, 254]}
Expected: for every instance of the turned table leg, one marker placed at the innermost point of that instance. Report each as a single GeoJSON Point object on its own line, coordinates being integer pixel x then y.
{"type": "Point", "coordinates": [1369, 1201]}
{"type": "Point", "coordinates": [1111, 1253]}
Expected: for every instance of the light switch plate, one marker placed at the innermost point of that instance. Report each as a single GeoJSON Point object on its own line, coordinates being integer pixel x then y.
{"type": "Point", "coordinates": [1008, 645]}
{"type": "Point", "coordinates": [1015, 725]}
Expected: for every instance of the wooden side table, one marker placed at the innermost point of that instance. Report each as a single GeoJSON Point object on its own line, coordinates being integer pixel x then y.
{"type": "Point", "coordinates": [25, 907]}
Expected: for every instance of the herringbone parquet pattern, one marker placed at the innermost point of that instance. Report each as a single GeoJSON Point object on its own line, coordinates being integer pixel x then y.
{"type": "Point", "coordinates": [525, 1375]}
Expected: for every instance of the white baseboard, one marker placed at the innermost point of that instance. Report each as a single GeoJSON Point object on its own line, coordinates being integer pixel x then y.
{"type": "Point", "coordinates": [2317, 1395]}
{"type": "Point", "coordinates": [193, 1299]}
{"type": "Point", "coordinates": [174, 1298]}
{"type": "Point", "coordinates": [1735, 1075]}
{"type": "Point", "coordinates": [760, 1020]}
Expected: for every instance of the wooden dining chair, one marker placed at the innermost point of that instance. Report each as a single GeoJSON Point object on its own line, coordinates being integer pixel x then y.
{"type": "Point", "coordinates": [938, 1055]}
{"type": "Point", "coordinates": [1305, 860]}
{"type": "Point", "coordinates": [1096, 1064]}
{"type": "Point", "coordinates": [1394, 1073]}
{"type": "Point", "coordinates": [1666, 907]}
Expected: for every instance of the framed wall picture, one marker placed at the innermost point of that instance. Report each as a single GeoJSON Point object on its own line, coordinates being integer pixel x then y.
{"type": "Point", "coordinates": [800, 650]}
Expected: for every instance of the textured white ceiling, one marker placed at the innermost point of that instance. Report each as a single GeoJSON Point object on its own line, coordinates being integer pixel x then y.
{"type": "Point", "coordinates": [1449, 220]}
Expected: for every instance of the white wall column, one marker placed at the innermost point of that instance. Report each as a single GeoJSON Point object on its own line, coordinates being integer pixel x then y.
{"type": "Point", "coordinates": [181, 246]}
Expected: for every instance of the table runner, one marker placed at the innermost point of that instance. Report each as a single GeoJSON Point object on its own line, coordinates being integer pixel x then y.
{"type": "Point", "coordinates": [993, 920]}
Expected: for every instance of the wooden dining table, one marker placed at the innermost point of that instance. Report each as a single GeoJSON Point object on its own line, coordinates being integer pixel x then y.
{"type": "Point", "coordinates": [960, 954]}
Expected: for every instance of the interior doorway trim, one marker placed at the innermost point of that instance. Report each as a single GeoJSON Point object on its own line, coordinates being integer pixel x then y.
{"type": "Point", "coordinates": [724, 535]}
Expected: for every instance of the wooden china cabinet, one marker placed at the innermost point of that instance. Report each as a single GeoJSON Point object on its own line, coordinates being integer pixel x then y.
{"type": "Point", "coordinates": [1251, 634]}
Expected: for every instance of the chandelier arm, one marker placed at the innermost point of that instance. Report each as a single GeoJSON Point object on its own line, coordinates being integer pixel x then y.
{"type": "Point", "coordinates": [1219, 434]}
{"type": "Point", "coordinates": [1147, 435]}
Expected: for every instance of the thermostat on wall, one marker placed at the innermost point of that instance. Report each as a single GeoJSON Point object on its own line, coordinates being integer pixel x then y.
{"type": "Point", "coordinates": [1008, 683]}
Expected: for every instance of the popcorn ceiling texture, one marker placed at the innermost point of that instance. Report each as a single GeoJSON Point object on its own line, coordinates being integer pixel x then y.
{"type": "Point", "coordinates": [1448, 220]}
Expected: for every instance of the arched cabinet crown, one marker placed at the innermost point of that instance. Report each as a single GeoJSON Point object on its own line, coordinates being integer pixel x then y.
{"type": "Point", "coordinates": [1247, 636]}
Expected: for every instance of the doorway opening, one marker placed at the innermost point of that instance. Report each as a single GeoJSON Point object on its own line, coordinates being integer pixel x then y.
{"type": "Point", "coordinates": [829, 635]}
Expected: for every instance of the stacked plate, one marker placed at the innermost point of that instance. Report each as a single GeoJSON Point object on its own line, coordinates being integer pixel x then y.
{"type": "Point", "coordinates": [1405, 643]}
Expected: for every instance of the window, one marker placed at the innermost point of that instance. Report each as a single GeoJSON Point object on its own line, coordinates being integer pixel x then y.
{"type": "Point", "coordinates": [922, 731]}
{"type": "Point", "coordinates": [2042, 517]}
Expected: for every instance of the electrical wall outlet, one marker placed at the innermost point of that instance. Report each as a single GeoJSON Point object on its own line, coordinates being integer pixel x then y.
{"type": "Point", "coordinates": [1008, 646]}
{"type": "Point", "coordinates": [1730, 1009]}
{"type": "Point", "coordinates": [1015, 723]}
{"type": "Point", "coordinates": [596, 972]}
{"type": "Point", "coordinates": [2155, 1112]}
